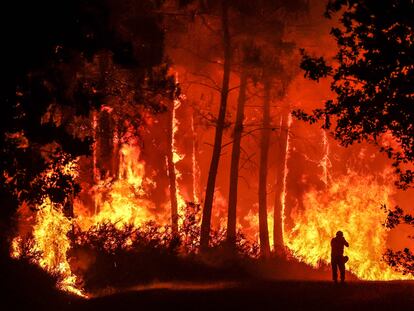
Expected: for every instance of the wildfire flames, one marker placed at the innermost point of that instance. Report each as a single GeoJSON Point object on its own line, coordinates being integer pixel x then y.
{"type": "Point", "coordinates": [50, 244]}
{"type": "Point", "coordinates": [122, 201]}
{"type": "Point", "coordinates": [118, 174]}
{"type": "Point", "coordinates": [349, 203]}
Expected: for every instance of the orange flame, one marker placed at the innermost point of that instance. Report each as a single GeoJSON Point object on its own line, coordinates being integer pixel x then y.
{"type": "Point", "coordinates": [177, 157]}
{"type": "Point", "coordinates": [122, 201]}
{"type": "Point", "coordinates": [50, 240]}
{"type": "Point", "coordinates": [285, 171]}
{"type": "Point", "coordinates": [350, 204]}
{"type": "Point", "coordinates": [50, 237]}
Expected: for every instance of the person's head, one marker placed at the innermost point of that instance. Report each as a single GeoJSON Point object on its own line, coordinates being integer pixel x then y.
{"type": "Point", "coordinates": [339, 234]}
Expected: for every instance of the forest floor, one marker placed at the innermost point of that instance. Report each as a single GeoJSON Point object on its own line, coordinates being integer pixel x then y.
{"type": "Point", "coordinates": [257, 295]}
{"type": "Point", "coordinates": [263, 287]}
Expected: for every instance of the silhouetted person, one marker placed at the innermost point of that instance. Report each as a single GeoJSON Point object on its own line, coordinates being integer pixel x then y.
{"type": "Point", "coordinates": [338, 259]}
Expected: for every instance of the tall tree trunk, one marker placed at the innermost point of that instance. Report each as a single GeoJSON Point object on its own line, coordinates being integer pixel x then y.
{"type": "Point", "coordinates": [105, 144]}
{"type": "Point", "coordinates": [117, 150]}
{"type": "Point", "coordinates": [264, 154]}
{"type": "Point", "coordinates": [195, 167]}
{"type": "Point", "coordinates": [96, 176]}
{"type": "Point", "coordinates": [212, 174]}
{"type": "Point", "coordinates": [281, 154]}
{"type": "Point", "coordinates": [171, 173]}
{"type": "Point", "coordinates": [235, 158]}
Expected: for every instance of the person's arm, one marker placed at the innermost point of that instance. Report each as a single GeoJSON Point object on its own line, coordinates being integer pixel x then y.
{"type": "Point", "coordinates": [346, 243]}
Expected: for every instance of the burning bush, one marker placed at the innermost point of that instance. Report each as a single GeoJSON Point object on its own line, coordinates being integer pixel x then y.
{"type": "Point", "coordinates": [106, 255]}
{"type": "Point", "coordinates": [110, 255]}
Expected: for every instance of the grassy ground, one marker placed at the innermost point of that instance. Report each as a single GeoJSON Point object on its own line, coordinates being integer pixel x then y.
{"type": "Point", "coordinates": [35, 291]}
{"type": "Point", "coordinates": [257, 295]}
{"type": "Point", "coordinates": [29, 288]}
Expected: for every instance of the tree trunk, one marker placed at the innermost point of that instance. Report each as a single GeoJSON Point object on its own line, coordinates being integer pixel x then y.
{"type": "Point", "coordinates": [212, 174]}
{"type": "Point", "coordinates": [95, 172]}
{"type": "Point", "coordinates": [264, 153]}
{"type": "Point", "coordinates": [171, 174]}
{"type": "Point", "coordinates": [281, 154]}
{"type": "Point", "coordinates": [195, 167]}
{"type": "Point", "coordinates": [105, 145]}
{"type": "Point", "coordinates": [235, 158]}
{"type": "Point", "coordinates": [117, 150]}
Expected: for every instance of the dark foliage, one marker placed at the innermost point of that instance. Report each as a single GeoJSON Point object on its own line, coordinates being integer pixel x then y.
{"type": "Point", "coordinates": [315, 68]}
{"type": "Point", "coordinates": [49, 87]}
{"type": "Point", "coordinates": [402, 260]}
{"type": "Point", "coordinates": [396, 217]}
{"type": "Point", "coordinates": [122, 258]}
{"type": "Point", "coordinates": [373, 81]}
{"type": "Point", "coordinates": [56, 42]}
{"type": "Point", "coordinates": [114, 256]}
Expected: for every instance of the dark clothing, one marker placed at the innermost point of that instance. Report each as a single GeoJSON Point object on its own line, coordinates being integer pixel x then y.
{"type": "Point", "coordinates": [338, 262]}
{"type": "Point", "coordinates": [337, 257]}
{"type": "Point", "coordinates": [337, 246]}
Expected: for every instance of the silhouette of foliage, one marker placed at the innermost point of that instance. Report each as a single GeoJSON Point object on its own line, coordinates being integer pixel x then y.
{"type": "Point", "coordinates": [57, 84]}
{"type": "Point", "coordinates": [397, 216]}
{"type": "Point", "coordinates": [52, 87]}
{"type": "Point", "coordinates": [372, 81]}
{"type": "Point", "coordinates": [402, 260]}
{"type": "Point", "coordinates": [111, 255]}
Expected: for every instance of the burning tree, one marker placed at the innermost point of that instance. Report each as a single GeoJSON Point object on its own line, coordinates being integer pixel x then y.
{"type": "Point", "coordinates": [233, 25]}
{"type": "Point", "coordinates": [259, 30]}
{"type": "Point", "coordinates": [373, 83]}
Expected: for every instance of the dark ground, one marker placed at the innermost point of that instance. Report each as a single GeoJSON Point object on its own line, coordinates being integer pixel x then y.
{"type": "Point", "coordinates": [258, 295]}
{"type": "Point", "coordinates": [27, 287]}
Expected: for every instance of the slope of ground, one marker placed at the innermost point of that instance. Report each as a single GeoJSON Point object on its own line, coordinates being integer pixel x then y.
{"type": "Point", "coordinates": [259, 295]}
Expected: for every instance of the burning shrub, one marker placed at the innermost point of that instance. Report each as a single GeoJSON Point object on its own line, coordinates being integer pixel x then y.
{"type": "Point", "coordinates": [190, 229]}
{"type": "Point", "coordinates": [107, 255]}
{"type": "Point", "coordinates": [24, 249]}
{"type": "Point", "coordinates": [190, 235]}
{"type": "Point", "coordinates": [104, 237]}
